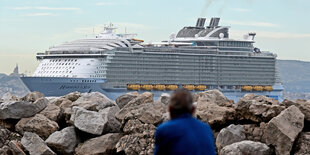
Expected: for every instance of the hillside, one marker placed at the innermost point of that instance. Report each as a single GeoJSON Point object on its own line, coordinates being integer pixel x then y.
{"type": "Point", "coordinates": [12, 84]}
{"type": "Point", "coordinates": [295, 75]}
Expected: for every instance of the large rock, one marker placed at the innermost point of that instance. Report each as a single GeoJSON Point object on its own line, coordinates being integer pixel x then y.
{"type": "Point", "coordinates": [254, 132]}
{"type": "Point", "coordinates": [100, 145]}
{"type": "Point", "coordinates": [303, 144]}
{"type": "Point", "coordinates": [52, 112]}
{"type": "Point", "coordinates": [112, 124]}
{"type": "Point", "coordinates": [257, 108]}
{"type": "Point", "coordinates": [246, 148]}
{"type": "Point", "coordinates": [63, 141]}
{"type": "Point", "coordinates": [149, 113]}
{"type": "Point", "coordinates": [213, 96]}
{"type": "Point", "coordinates": [9, 97]}
{"type": "Point", "coordinates": [136, 126]}
{"type": "Point", "coordinates": [164, 98]}
{"type": "Point", "coordinates": [93, 101]}
{"type": "Point", "coordinates": [73, 96]}
{"type": "Point", "coordinates": [38, 124]}
{"type": "Point", "coordinates": [137, 143]}
{"type": "Point", "coordinates": [231, 134]}
{"type": "Point", "coordinates": [88, 121]}
{"type": "Point", "coordinates": [208, 110]}
{"type": "Point", "coordinates": [35, 145]}
{"type": "Point", "coordinates": [122, 100]}
{"type": "Point", "coordinates": [65, 105]}
{"type": "Point", "coordinates": [21, 109]}
{"type": "Point", "coordinates": [16, 148]}
{"type": "Point", "coordinates": [6, 136]}
{"type": "Point", "coordinates": [303, 106]}
{"type": "Point", "coordinates": [146, 97]}
{"type": "Point", "coordinates": [135, 106]}
{"type": "Point", "coordinates": [32, 97]}
{"type": "Point", "coordinates": [282, 130]}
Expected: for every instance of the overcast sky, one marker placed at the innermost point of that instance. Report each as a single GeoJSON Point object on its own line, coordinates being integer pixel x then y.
{"type": "Point", "coordinates": [31, 26]}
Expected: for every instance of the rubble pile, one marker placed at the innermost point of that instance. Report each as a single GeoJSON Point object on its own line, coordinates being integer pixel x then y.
{"type": "Point", "coordinates": [91, 123]}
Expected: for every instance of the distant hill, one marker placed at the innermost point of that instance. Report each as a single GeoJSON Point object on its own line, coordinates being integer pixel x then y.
{"type": "Point", "coordinates": [295, 75]}
{"type": "Point", "coordinates": [12, 84]}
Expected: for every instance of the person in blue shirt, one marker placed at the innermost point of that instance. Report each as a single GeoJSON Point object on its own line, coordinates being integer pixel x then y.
{"type": "Point", "coordinates": [183, 134]}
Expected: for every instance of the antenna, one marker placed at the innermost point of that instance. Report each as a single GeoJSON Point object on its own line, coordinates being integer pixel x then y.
{"type": "Point", "coordinates": [125, 30]}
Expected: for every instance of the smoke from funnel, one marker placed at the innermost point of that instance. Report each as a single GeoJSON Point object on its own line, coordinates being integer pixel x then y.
{"type": "Point", "coordinates": [220, 10]}
{"type": "Point", "coordinates": [206, 6]}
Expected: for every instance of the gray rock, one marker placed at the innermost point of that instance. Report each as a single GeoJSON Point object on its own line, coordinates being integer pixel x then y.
{"type": "Point", "coordinates": [65, 105]}
{"type": "Point", "coordinates": [246, 148]}
{"type": "Point", "coordinates": [8, 97]}
{"type": "Point", "coordinates": [282, 130]}
{"type": "Point", "coordinates": [38, 124]}
{"type": "Point", "coordinates": [35, 145]}
{"type": "Point", "coordinates": [149, 113]}
{"type": "Point", "coordinates": [88, 121]}
{"type": "Point", "coordinates": [137, 143]}
{"type": "Point", "coordinates": [16, 148]}
{"type": "Point", "coordinates": [6, 136]}
{"type": "Point", "coordinates": [5, 150]}
{"type": "Point", "coordinates": [257, 108]}
{"type": "Point", "coordinates": [52, 112]}
{"type": "Point", "coordinates": [32, 97]}
{"type": "Point", "coordinates": [146, 97]}
{"type": "Point", "coordinates": [122, 100]}
{"type": "Point", "coordinates": [134, 106]}
{"type": "Point", "coordinates": [100, 145]}
{"type": "Point", "coordinates": [213, 96]}
{"type": "Point", "coordinates": [93, 101]}
{"type": "Point", "coordinates": [136, 126]}
{"type": "Point", "coordinates": [164, 98]}
{"type": "Point", "coordinates": [166, 117]}
{"type": "Point", "coordinates": [302, 105]}
{"type": "Point", "coordinates": [254, 132]}
{"type": "Point", "coordinates": [63, 141]}
{"type": "Point", "coordinates": [209, 110]}
{"type": "Point", "coordinates": [231, 134]}
{"type": "Point", "coordinates": [21, 109]}
{"type": "Point", "coordinates": [303, 144]}
{"type": "Point", "coordinates": [73, 96]}
{"type": "Point", "coordinates": [112, 124]}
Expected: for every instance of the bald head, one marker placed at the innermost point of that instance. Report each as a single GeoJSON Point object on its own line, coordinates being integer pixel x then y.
{"type": "Point", "coordinates": [181, 102]}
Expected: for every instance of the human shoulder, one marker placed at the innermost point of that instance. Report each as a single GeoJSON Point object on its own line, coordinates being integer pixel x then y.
{"type": "Point", "coordinates": [202, 124]}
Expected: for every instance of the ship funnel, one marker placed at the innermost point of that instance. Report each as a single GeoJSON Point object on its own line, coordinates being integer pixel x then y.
{"type": "Point", "coordinates": [200, 22]}
{"type": "Point", "coordinates": [214, 22]}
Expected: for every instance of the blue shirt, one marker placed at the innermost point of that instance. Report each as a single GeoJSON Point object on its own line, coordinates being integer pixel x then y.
{"type": "Point", "coordinates": [184, 135]}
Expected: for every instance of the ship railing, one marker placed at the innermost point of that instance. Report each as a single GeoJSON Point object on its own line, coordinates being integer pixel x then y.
{"type": "Point", "coordinates": [264, 53]}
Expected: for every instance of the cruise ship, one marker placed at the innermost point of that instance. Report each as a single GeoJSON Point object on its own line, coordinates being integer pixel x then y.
{"type": "Point", "coordinates": [197, 58]}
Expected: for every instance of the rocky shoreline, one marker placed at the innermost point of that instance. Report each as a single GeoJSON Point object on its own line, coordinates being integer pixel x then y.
{"type": "Point", "coordinates": [91, 123]}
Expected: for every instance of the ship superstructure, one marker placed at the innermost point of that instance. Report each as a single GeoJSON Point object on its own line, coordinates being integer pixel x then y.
{"type": "Point", "coordinates": [197, 58]}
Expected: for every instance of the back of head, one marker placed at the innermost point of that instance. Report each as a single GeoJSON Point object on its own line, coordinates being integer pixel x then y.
{"type": "Point", "coordinates": [181, 102]}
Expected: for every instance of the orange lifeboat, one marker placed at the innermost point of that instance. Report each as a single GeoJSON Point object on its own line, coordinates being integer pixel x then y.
{"type": "Point", "coordinates": [246, 88]}
{"type": "Point", "coordinates": [201, 87]}
{"type": "Point", "coordinates": [133, 87]}
{"type": "Point", "coordinates": [268, 88]}
{"type": "Point", "coordinates": [189, 87]}
{"type": "Point", "coordinates": [159, 87]}
{"type": "Point", "coordinates": [171, 87]}
{"type": "Point", "coordinates": [147, 87]}
{"type": "Point", "coordinates": [258, 88]}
